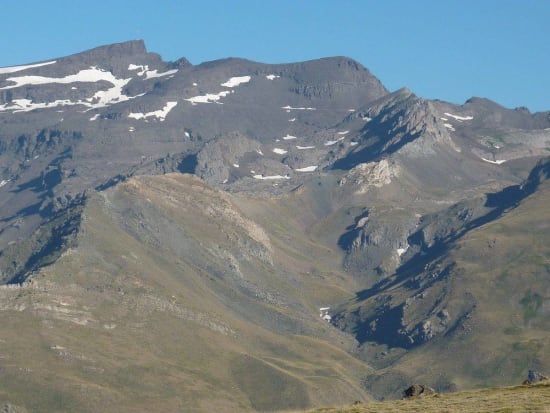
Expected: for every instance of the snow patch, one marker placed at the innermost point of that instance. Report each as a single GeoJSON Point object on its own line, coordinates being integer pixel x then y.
{"type": "Point", "coordinates": [344, 132]}
{"type": "Point", "coordinates": [259, 151]}
{"type": "Point", "coordinates": [100, 99]}
{"type": "Point", "coordinates": [152, 74]}
{"type": "Point", "coordinates": [305, 147]}
{"type": "Point", "coordinates": [307, 169]}
{"type": "Point", "coordinates": [149, 74]}
{"type": "Point", "coordinates": [279, 151]}
{"type": "Point", "coordinates": [94, 117]}
{"type": "Point", "coordinates": [289, 108]}
{"type": "Point", "coordinates": [449, 126]}
{"type": "Point", "coordinates": [271, 177]}
{"type": "Point", "coordinates": [497, 162]}
{"type": "Point", "coordinates": [159, 114]}
{"type": "Point", "coordinates": [271, 77]}
{"type": "Point", "coordinates": [236, 165]}
{"type": "Point", "coordinates": [445, 119]}
{"type": "Point", "coordinates": [289, 137]}
{"type": "Point", "coordinates": [351, 110]}
{"type": "Point", "coordinates": [4, 182]}
{"type": "Point", "coordinates": [323, 313]}
{"type": "Point", "coordinates": [13, 69]}
{"type": "Point", "coordinates": [236, 81]}
{"type": "Point", "coordinates": [208, 98]}
{"type": "Point", "coordinates": [366, 118]}
{"type": "Point", "coordinates": [330, 143]}
{"type": "Point", "coordinates": [401, 251]}
{"type": "Point", "coordinates": [353, 143]}
{"type": "Point", "coordinates": [292, 120]}
{"type": "Point", "coordinates": [131, 129]}
{"type": "Point", "coordinates": [459, 117]}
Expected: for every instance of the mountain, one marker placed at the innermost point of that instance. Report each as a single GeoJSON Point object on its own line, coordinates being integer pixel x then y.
{"type": "Point", "coordinates": [176, 236]}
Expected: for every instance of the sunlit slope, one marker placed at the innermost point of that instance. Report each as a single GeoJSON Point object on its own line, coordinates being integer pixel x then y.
{"type": "Point", "coordinates": [508, 399]}
{"type": "Point", "coordinates": [174, 300]}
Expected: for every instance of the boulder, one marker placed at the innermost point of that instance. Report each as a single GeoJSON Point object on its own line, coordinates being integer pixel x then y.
{"type": "Point", "coordinates": [418, 390]}
{"type": "Point", "coordinates": [535, 377]}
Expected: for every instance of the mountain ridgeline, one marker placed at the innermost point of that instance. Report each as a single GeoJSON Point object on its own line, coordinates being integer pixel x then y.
{"type": "Point", "coordinates": [239, 236]}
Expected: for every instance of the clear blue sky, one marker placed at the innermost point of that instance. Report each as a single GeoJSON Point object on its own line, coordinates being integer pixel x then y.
{"type": "Point", "coordinates": [450, 50]}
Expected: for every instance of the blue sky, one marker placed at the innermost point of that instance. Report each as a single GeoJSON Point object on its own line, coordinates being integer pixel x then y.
{"type": "Point", "coordinates": [450, 50]}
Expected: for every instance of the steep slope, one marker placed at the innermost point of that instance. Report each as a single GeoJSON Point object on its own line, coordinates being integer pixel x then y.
{"type": "Point", "coordinates": [318, 188]}
{"type": "Point", "coordinates": [88, 120]}
{"type": "Point", "coordinates": [172, 298]}
{"type": "Point", "coordinates": [478, 281]}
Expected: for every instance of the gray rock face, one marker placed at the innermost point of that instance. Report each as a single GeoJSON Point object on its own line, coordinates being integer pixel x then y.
{"type": "Point", "coordinates": [418, 390]}
{"type": "Point", "coordinates": [535, 377]}
{"type": "Point", "coordinates": [86, 120]}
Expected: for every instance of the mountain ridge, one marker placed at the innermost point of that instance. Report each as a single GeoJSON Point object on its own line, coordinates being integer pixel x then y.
{"type": "Point", "coordinates": [183, 217]}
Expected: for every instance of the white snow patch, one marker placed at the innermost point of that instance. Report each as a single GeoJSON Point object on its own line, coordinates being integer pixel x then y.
{"type": "Point", "coordinates": [3, 182]}
{"type": "Point", "coordinates": [366, 118]}
{"type": "Point", "coordinates": [26, 105]}
{"type": "Point", "coordinates": [401, 251]}
{"type": "Point", "coordinates": [307, 169]}
{"type": "Point", "coordinates": [292, 120]}
{"type": "Point", "coordinates": [323, 313]}
{"type": "Point", "coordinates": [459, 117]}
{"type": "Point", "coordinates": [449, 126]}
{"type": "Point", "coordinates": [445, 119]}
{"type": "Point", "coordinates": [351, 110]}
{"type": "Point", "coordinates": [208, 98]}
{"type": "Point", "coordinates": [260, 152]}
{"type": "Point", "coordinates": [151, 74]}
{"type": "Point", "coordinates": [289, 137]}
{"type": "Point", "coordinates": [497, 162]}
{"type": "Point", "coordinates": [131, 129]}
{"type": "Point", "coordinates": [330, 143]}
{"type": "Point", "coordinates": [279, 151]}
{"type": "Point", "coordinates": [101, 98]}
{"type": "Point", "coordinates": [142, 69]}
{"type": "Point", "coordinates": [271, 77]}
{"type": "Point", "coordinates": [289, 108]}
{"type": "Point", "coordinates": [271, 177]}
{"type": "Point", "coordinates": [344, 132]}
{"type": "Point", "coordinates": [305, 147]}
{"type": "Point", "coordinates": [236, 81]}
{"type": "Point", "coordinates": [236, 165]}
{"type": "Point", "coordinates": [187, 135]}
{"type": "Point", "coordinates": [159, 114]}
{"type": "Point", "coordinates": [353, 143]}
{"type": "Point", "coordinates": [13, 69]}
{"type": "Point", "coordinates": [195, 84]}
{"type": "Point", "coordinates": [94, 117]}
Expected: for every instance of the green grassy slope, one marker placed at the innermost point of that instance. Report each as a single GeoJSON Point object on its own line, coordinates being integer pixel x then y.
{"type": "Point", "coordinates": [174, 300]}
{"type": "Point", "coordinates": [509, 399]}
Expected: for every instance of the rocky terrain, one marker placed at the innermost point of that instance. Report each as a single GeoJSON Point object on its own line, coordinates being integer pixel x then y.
{"type": "Point", "coordinates": [185, 225]}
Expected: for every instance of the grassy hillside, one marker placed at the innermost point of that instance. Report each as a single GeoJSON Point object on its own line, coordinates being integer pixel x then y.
{"type": "Point", "coordinates": [509, 399]}
{"type": "Point", "coordinates": [174, 300]}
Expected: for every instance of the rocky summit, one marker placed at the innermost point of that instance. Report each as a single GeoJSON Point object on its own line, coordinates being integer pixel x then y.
{"type": "Point", "coordinates": [239, 236]}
